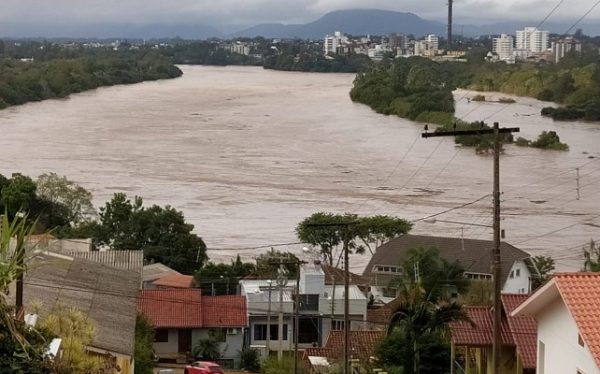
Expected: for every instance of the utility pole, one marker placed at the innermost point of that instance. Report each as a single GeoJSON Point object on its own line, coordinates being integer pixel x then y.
{"type": "Point", "coordinates": [20, 252]}
{"type": "Point", "coordinates": [270, 282]}
{"type": "Point", "coordinates": [346, 303]}
{"type": "Point", "coordinates": [297, 316]}
{"type": "Point", "coordinates": [496, 263]}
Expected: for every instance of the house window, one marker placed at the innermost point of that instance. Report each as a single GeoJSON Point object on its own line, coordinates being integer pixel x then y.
{"type": "Point", "coordinates": [260, 332]}
{"type": "Point", "coordinates": [512, 274]}
{"type": "Point", "coordinates": [387, 269]}
{"type": "Point", "coordinates": [518, 273]}
{"type": "Point", "coordinates": [161, 336]}
{"type": "Point", "coordinates": [337, 324]}
{"type": "Point", "coordinates": [389, 292]}
{"type": "Point", "coordinates": [309, 303]}
{"type": "Point", "coordinates": [541, 357]}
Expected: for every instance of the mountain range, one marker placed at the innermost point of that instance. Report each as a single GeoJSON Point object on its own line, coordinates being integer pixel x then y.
{"type": "Point", "coordinates": [352, 21]}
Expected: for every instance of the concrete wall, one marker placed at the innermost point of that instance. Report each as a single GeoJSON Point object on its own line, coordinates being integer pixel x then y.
{"type": "Point", "coordinates": [559, 334]}
{"type": "Point", "coordinates": [519, 283]}
{"type": "Point", "coordinates": [167, 348]}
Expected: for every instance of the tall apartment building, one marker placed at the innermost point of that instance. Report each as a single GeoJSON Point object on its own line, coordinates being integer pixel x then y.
{"type": "Point", "coordinates": [504, 48]}
{"type": "Point", "coordinates": [433, 42]}
{"type": "Point", "coordinates": [563, 46]}
{"type": "Point", "coordinates": [335, 43]}
{"type": "Point", "coordinates": [532, 40]}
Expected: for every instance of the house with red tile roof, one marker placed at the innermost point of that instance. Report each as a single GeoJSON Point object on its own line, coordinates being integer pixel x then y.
{"type": "Point", "coordinates": [471, 342]}
{"type": "Point", "coordinates": [182, 317]}
{"type": "Point", "coordinates": [567, 311]}
{"type": "Point", "coordinates": [174, 281]}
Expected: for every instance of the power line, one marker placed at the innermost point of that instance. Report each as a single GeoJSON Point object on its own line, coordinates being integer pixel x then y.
{"type": "Point", "coordinates": [582, 17]}
{"type": "Point", "coordinates": [550, 14]}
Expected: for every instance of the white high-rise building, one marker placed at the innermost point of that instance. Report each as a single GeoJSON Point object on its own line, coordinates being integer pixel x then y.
{"type": "Point", "coordinates": [334, 43]}
{"type": "Point", "coordinates": [533, 40]}
{"type": "Point", "coordinates": [504, 47]}
{"type": "Point", "coordinates": [433, 42]}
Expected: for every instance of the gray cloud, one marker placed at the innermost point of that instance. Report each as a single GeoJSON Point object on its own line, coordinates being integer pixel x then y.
{"type": "Point", "coordinates": [247, 12]}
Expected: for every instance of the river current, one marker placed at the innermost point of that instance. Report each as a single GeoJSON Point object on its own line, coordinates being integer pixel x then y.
{"type": "Point", "coordinates": [247, 153]}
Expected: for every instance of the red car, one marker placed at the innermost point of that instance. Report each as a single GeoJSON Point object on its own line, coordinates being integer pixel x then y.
{"type": "Point", "coordinates": [203, 367]}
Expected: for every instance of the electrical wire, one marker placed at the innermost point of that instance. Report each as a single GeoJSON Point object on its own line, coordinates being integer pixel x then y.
{"type": "Point", "coordinates": [582, 17]}
{"type": "Point", "coordinates": [550, 14]}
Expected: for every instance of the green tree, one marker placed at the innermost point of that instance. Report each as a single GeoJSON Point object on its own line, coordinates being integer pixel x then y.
{"type": "Point", "coordinates": [329, 231]}
{"type": "Point", "coordinates": [143, 351]}
{"type": "Point", "coordinates": [592, 257]}
{"type": "Point", "coordinates": [161, 233]}
{"type": "Point", "coordinates": [545, 265]}
{"type": "Point", "coordinates": [77, 332]}
{"type": "Point", "coordinates": [207, 349]}
{"type": "Point", "coordinates": [18, 194]}
{"type": "Point", "coordinates": [21, 348]}
{"type": "Point", "coordinates": [222, 279]}
{"type": "Point", "coordinates": [267, 263]}
{"type": "Point", "coordinates": [438, 277]}
{"type": "Point", "coordinates": [416, 316]}
{"type": "Point", "coordinates": [61, 191]}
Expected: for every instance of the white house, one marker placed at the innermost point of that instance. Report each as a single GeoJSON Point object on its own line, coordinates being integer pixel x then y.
{"type": "Point", "coordinates": [567, 310]}
{"type": "Point", "coordinates": [475, 256]}
{"type": "Point", "coordinates": [320, 300]}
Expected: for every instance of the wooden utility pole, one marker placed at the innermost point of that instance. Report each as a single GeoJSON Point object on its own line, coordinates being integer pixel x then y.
{"type": "Point", "coordinates": [270, 282]}
{"type": "Point", "coordinates": [297, 317]}
{"type": "Point", "coordinates": [496, 259]}
{"type": "Point", "coordinates": [20, 252]}
{"type": "Point", "coordinates": [346, 303]}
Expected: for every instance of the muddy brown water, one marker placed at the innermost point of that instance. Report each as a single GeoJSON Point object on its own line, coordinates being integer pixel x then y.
{"type": "Point", "coordinates": [246, 153]}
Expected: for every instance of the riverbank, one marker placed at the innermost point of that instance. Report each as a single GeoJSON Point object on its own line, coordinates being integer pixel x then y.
{"type": "Point", "coordinates": [29, 81]}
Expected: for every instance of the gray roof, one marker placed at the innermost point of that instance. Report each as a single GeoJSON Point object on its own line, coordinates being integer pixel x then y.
{"type": "Point", "coordinates": [474, 255]}
{"type": "Point", "coordinates": [105, 294]}
{"type": "Point", "coordinates": [126, 260]}
{"type": "Point", "coordinates": [155, 271]}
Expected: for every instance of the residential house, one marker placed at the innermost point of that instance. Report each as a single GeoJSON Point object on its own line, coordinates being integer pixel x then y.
{"type": "Point", "coordinates": [568, 323]}
{"type": "Point", "coordinates": [152, 272]}
{"type": "Point", "coordinates": [473, 341]}
{"type": "Point", "coordinates": [181, 317]}
{"type": "Point", "coordinates": [172, 281]}
{"type": "Point", "coordinates": [105, 294]}
{"type": "Point", "coordinates": [362, 350]}
{"type": "Point", "coordinates": [321, 307]}
{"type": "Point", "coordinates": [474, 255]}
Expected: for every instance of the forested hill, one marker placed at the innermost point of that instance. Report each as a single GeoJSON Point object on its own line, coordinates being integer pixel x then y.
{"type": "Point", "coordinates": [57, 74]}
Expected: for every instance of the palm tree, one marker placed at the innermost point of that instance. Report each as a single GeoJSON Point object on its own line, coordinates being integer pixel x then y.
{"type": "Point", "coordinates": [419, 314]}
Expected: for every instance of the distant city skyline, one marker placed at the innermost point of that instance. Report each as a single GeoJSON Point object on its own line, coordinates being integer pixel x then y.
{"type": "Point", "coordinates": [225, 14]}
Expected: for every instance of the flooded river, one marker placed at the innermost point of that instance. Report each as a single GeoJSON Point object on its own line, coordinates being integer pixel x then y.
{"type": "Point", "coordinates": [247, 153]}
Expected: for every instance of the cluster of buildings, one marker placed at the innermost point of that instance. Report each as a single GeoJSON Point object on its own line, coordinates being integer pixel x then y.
{"type": "Point", "coordinates": [397, 45]}
{"type": "Point", "coordinates": [531, 44]}
{"type": "Point", "coordinates": [554, 330]}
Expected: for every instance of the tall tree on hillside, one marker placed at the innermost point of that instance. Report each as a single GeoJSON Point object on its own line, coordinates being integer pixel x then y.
{"type": "Point", "coordinates": [329, 231]}
{"type": "Point", "coordinates": [592, 257]}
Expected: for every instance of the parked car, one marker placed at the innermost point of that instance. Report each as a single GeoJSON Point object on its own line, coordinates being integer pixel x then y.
{"type": "Point", "coordinates": [203, 367]}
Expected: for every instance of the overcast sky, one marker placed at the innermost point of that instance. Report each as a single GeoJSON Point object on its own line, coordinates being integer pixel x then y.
{"type": "Point", "coordinates": [248, 12]}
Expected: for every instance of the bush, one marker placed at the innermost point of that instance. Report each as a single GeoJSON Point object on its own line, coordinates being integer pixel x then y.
{"type": "Point", "coordinates": [250, 360]}
{"type": "Point", "coordinates": [506, 100]}
{"type": "Point", "coordinates": [286, 366]}
{"type": "Point", "coordinates": [478, 98]}
{"type": "Point", "coordinates": [522, 142]}
{"type": "Point", "coordinates": [549, 140]}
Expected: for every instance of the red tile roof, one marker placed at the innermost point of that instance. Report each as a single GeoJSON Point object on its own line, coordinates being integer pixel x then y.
{"type": "Point", "coordinates": [171, 308]}
{"type": "Point", "coordinates": [363, 344]}
{"type": "Point", "coordinates": [186, 308]}
{"type": "Point", "coordinates": [174, 281]}
{"type": "Point", "coordinates": [224, 311]}
{"type": "Point", "coordinates": [581, 295]}
{"type": "Point", "coordinates": [523, 330]}
{"type": "Point", "coordinates": [480, 332]}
